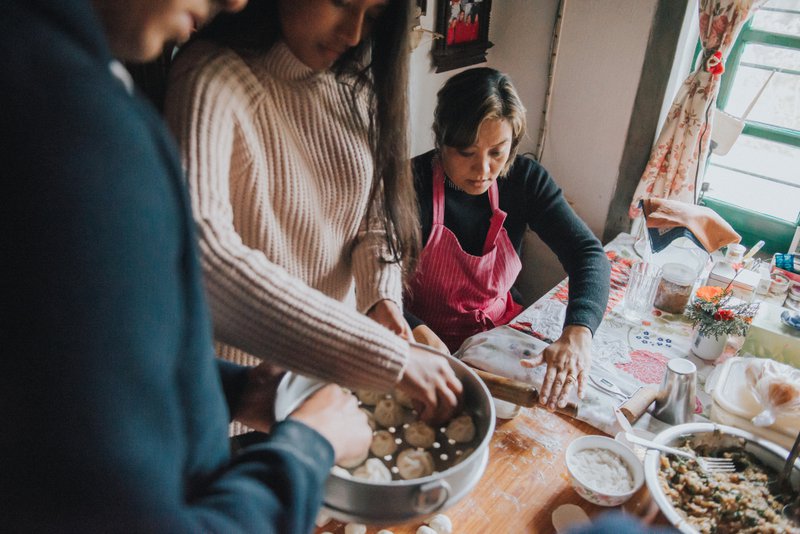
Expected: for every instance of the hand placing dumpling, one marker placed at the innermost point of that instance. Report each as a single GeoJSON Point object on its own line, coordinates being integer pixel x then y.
{"type": "Point", "coordinates": [430, 381]}
{"type": "Point", "coordinates": [334, 413]}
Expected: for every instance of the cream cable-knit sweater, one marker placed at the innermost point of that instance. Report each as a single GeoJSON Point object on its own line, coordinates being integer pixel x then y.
{"type": "Point", "coordinates": [279, 173]}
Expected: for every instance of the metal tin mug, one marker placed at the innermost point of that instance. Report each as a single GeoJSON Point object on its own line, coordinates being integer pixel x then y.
{"type": "Point", "coordinates": [676, 399]}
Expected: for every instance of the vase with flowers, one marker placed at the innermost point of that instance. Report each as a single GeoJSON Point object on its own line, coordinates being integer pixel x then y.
{"type": "Point", "coordinates": [715, 315]}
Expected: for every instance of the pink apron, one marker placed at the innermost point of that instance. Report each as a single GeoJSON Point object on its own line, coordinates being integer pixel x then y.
{"type": "Point", "coordinates": [458, 294]}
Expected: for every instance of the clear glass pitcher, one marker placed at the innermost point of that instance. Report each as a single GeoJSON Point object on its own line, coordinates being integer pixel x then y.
{"type": "Point", "coordinates": [684, 252]}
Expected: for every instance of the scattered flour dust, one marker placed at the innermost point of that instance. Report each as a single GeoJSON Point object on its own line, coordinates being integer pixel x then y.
{"type": "Point", "coordinates": [550, 443]}
{"type": "Point", "coordinates": [602, 471]}
{"type": "Point", "coordinates": [508, 497]}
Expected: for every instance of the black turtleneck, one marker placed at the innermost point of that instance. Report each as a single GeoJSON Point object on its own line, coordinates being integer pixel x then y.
{"type": "Point", "coordinates": [531, 198]}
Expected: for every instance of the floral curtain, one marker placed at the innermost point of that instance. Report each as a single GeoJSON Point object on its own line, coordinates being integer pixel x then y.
{"type": "Point", "coordinates": [682, 146]}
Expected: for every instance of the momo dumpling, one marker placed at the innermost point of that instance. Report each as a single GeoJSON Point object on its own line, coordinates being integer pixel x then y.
{"type": "Point", "coordinates": [383, 443]}
{"type": "Point", "coordinates": [388, 413]}
{"type": "Point", "coordinates": [413, 463]}
{"type": "Point", "coordinates": [418, 434]}
{"type": "Point", "coordinates": [461, 429]}
{"type": "Point", "coordinates": [440, 524]}
{"type": "Point", "coordinates": [370, 398]}
{"type": "Point", "coordinates": [374, 471]}
{"type": "Point", "coordinates": [355, 528]}
{"type": "Point", "coordinates": [402, 398]}
{"type": "Point", "coordinates": [340, 472]}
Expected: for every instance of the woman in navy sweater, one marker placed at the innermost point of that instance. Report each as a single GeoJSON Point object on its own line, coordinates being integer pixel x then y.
{"type": "Point", "coordinates": [114, 408]}
{"type": "Point", "coordinates": [476, 198]}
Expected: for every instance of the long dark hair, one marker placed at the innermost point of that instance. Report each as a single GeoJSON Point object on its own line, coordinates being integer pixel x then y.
{"type": "Point", "coordinates": [379, 62]}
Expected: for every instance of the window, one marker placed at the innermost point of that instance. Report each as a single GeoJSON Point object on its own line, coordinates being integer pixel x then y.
{"type": "Point", "coordinates": [756, 186]}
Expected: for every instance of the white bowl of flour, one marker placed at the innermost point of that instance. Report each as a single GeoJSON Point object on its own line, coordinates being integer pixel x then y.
{"type": "Point", "coordinates": [603, 471]}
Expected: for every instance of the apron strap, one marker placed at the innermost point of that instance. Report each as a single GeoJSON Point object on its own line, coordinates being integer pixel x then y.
{"type": "Point", "coordinates": [438, 192]}
{"type": "Point", "coordinates": [493, 196]}
{"type": "Point", "coordinates": [496, 222]}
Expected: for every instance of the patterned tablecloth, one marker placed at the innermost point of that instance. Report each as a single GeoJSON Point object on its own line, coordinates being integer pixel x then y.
{"type": "Point", "coordinates": [629, 353]}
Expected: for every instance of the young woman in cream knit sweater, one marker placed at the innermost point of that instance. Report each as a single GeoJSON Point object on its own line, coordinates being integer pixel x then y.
{"type": "Point", "coordinates": [297, 161]}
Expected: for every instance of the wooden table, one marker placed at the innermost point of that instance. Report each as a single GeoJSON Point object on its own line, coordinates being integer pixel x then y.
{"type": "Point", "coordinates": [525, 480]}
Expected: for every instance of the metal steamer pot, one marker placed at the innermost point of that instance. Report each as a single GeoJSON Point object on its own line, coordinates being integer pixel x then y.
{"type": "Point", "coordinates": [772, 455]}
{"type": "Point", "coordinates": [362, 501]}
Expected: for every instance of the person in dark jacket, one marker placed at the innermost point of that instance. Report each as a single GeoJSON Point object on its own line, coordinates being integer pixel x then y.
{"type": "Point", "coordinates": [114, 407]}
{"type": "Point", "coordinates": [476, 199]}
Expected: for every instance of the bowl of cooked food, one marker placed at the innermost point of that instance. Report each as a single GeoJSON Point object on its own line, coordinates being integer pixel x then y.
{"type": "Point", "coordinates": [603, 471]}
{"type": "Point", "coordinates": [696, 496]}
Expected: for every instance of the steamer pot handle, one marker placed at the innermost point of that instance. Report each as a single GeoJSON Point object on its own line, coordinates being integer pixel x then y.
{"type": "Point", "coordinates": [431, 496]}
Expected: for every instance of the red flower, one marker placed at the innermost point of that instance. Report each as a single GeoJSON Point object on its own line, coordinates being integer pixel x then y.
{"type": "Point", "coordinates": [714, 64]}
{"type": "Point", "coordinates": [724, 315]}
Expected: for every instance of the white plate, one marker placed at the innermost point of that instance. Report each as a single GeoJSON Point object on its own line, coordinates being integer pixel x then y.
{"type": "Point", "coordinates": [792, 320]}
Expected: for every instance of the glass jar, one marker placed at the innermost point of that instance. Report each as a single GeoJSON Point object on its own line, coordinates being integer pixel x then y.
{"type": "Point", "coordinates": [735, 254]}
{"type": "Point", "coordinates": [675, 287]}
{"type": "Point", "coordinates": [779, 285]}
{"type": "Point", "coordinates": [793, 298]}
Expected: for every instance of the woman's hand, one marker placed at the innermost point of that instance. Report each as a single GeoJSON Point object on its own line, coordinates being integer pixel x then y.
{"type": "Point", "coordinates": [433, 386]}
{"type": "Point", "coordinates": [256, 406]}
{"type": "Point", "coordinates": [334, 413]}
{"type": "Point", "coordinates": [423, 334]}
{"type": "Point", "coordinates": [568, 361]}
{"type": "Point", "coordinates": [388, 314]}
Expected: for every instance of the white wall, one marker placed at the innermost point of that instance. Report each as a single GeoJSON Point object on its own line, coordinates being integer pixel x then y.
{"type": "Point", "coordinates": [424, 83]}
{"type": "Point", "coordinates": [522, 32]}
{"type": "Point", "coordinates": [600, 61]}
{"type": "Point", "coordinates": [524, 58]}
{"type": "Point", "coordinates": [601, 52]}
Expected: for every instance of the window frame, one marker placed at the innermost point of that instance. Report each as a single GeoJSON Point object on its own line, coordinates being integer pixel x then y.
{"type": "Point", "coordinates": [752, 225]}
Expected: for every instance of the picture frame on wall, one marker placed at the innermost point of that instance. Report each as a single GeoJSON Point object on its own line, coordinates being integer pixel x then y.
{"type": "Point", "coordinates": [465, 27]}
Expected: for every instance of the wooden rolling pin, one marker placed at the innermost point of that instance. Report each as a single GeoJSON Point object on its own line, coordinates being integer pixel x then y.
{"type": "Point", "coordinates": [524, 394]}
{"type": "Point", "coordinates": [634, 407]}
{"type": "Point", "coordinates": [508, 389]}
{"type": "Point", "coordinates": [516, 392]}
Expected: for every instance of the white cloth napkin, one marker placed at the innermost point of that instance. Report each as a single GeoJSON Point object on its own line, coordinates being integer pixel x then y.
{"type": "Point", "coordinates": [499, 351]}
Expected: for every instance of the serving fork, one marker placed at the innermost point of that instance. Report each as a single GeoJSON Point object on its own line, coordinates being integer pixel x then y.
{"type": "Point", "coordinates": [706, 463]}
